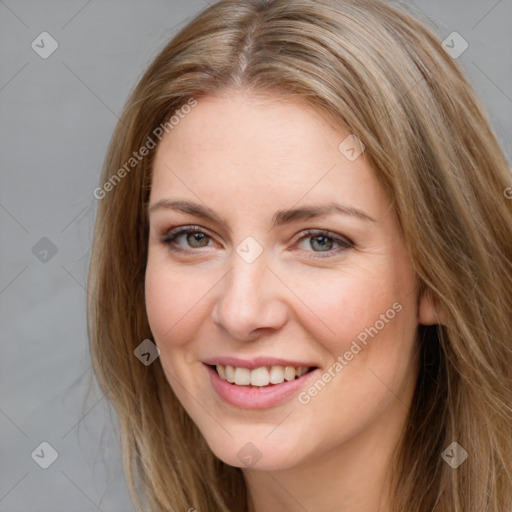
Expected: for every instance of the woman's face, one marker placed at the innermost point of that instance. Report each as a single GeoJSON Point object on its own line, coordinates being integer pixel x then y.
{"type": "Point", "coordinates": [268, 283]}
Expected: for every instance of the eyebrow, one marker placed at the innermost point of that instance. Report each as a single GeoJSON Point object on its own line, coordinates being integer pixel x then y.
{"type": "Point", "coordinates": [279, 218]}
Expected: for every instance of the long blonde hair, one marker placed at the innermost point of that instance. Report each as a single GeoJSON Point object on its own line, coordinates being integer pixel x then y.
{"type": "Point", "coordinates": [376, 69]}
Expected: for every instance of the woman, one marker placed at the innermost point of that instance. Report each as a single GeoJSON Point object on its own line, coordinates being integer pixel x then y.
{"type": "Point", "coordinates": [301, 282]}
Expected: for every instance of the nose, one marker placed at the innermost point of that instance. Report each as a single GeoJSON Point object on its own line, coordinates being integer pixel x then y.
{"type": "Point", "coordinates": [250, 301]}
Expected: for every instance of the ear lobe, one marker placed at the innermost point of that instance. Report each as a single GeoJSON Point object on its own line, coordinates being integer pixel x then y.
{"type": "Point", "coordinates": [428, 312]}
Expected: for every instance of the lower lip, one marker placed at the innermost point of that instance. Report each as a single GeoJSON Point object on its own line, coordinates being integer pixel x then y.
{"type": "Point", "coordinates": [256, 397]}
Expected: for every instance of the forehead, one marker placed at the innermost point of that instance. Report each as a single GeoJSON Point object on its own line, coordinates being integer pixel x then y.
{"type": "Point", "coordinates": [257, 130]}
{"type": "Point", "coordinates": [245, 151]}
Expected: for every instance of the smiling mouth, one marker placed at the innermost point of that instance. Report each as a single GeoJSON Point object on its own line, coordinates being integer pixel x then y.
{"type": "Point", "coordinates": [264, 376]}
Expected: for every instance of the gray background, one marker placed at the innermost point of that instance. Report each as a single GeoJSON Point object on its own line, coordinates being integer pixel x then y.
{"type": "Point", "coordinates": [57, 117]}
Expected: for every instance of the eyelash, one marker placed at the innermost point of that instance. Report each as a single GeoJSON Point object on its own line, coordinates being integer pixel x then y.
{"type": "Point", "coordinates": [171, 236]}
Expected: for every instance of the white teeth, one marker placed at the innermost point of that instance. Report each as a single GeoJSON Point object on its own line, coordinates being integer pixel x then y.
{"type": "Point", "coordinates": [260, 377]}
{"type": "Point", "coordinates": [230, 373]}
{"type": "Point", "coordinates": [289, 373]}
{"type": "Point", "coordinates": [242, 376]}
{"type": "Point", "coordinates": [222, 371]}
{"type": "Point", "coordinates": [276, 374]}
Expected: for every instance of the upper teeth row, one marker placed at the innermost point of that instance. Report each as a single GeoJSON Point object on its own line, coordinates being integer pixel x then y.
{"type": "Point", "coordinates": [259, 376]}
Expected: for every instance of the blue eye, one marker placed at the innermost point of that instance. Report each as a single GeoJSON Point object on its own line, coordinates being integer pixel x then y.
{"type": "Point", "coordinates": [320, 241]}
{"type": "Point", "coordinates": [324, 241]}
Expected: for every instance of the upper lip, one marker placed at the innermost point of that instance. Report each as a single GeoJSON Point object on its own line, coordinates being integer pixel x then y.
{"type": "Point", "coordinates": [256, 362]}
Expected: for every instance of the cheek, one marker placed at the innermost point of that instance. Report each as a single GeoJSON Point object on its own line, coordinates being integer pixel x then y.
{"type": "Point", "coordinates": [339, 310]}
{"type": "Point", "coordinates": [169, 302]}
{"type": "Point", "coordinates": [375, 333]}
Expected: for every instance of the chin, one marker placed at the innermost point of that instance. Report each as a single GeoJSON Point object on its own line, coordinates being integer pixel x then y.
{"type": "Point", "coordinates": [256, 452]}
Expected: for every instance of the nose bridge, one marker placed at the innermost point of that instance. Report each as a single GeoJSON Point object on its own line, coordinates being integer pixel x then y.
{"type": "Point", "coordinates": [248, 300]}
{"type": "Point", "coordinates": [244, 288]}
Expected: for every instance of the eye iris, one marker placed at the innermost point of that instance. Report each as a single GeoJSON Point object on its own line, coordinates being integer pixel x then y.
{"type": "Point", "coordinates": [192, 238]}
{"type": "Point", "coordinates": [325, 244]}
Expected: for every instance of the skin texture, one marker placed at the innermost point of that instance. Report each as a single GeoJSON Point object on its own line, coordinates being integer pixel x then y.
{"type": "Point", "coordinates": [245, 158]}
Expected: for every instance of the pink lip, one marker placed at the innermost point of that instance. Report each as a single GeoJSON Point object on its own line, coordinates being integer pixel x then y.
{"type": "Point", "coordinates": [257, 362]}
{"type": "Point", "coordinates": [254, 397]}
